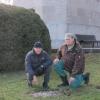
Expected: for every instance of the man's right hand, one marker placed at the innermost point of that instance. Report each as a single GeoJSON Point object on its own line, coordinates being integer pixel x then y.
{"type": "Point", "coordinates": [35, 80]}
{"type": "Point", "coordinates": [55, 60]}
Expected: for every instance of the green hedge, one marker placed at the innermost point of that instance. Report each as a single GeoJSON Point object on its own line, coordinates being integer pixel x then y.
{"type": "Point", "coordinates": [19, 29]}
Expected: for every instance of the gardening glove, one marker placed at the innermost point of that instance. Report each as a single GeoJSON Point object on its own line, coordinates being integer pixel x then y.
{"type": "Point", "coordinates": [42, 67]}
{"type": "Point", "coordinates": [40, 70]}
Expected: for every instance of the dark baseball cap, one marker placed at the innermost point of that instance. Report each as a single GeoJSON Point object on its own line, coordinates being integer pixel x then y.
{"type": "Point", "coordinates": [38, 44]}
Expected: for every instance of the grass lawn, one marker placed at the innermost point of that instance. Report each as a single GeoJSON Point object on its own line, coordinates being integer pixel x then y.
{"type": "Point", "coordinates": [13, 85]}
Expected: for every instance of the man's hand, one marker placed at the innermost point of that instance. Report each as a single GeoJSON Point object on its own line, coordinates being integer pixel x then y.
{"type": "Point", "coordinates": [40, 70]}
{"type": "Point", "coordinates": [71, 79]}
{"type": "Point", "coordinates": [56, 60]}
{"type": "Point", "coordinates": [35, 81]}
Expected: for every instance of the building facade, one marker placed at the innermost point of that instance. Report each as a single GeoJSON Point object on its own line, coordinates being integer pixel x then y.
{"type": "Point", "coordinates": [61, 16]}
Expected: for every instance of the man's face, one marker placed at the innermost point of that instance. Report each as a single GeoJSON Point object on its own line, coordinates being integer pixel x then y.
{"type": "Point", "coordinates": [38, 50]}
{"type": "Point", "coordinates": [70, 41]}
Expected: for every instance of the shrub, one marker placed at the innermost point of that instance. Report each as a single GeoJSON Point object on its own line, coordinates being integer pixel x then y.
{"type": "Point", "coordinates": [19, 29]}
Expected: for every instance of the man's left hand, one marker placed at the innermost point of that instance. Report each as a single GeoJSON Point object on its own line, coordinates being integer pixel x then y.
{"type": "Point", "coordinates": [71, 79]}
{"type": "Point", "coordinates": [35, 80]}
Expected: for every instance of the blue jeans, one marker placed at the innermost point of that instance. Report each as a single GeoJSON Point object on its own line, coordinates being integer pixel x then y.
{"type": "Point", "coordinates": [59, 68]}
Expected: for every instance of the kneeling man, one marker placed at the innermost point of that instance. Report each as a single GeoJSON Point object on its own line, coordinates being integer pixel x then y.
{"type": "Point", "coordinates": [38, 62]}
{"type": "Point", "coordinates": [70, 59]}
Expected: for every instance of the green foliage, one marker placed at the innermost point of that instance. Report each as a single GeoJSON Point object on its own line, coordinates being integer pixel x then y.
{"type": "Point", "coordinates": [19, 29]}
{"type": "Point", "coordinates": [13, 86]}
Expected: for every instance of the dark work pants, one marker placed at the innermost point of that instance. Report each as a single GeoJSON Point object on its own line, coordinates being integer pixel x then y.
{"type": "Point", "coordinates": [46, 74]}
{"type": "Point", "coordinates": [59, 68]}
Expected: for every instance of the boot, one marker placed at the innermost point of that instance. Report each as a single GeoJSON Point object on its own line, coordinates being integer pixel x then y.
{"type": "Point", "coordinates": [30, 84]}
{"type": "Point", "coordinates": [64, 81]}
{"type": "Point", "coordinates": [45, 86]}
{"type": "Point", "coordinates": [86, 78]}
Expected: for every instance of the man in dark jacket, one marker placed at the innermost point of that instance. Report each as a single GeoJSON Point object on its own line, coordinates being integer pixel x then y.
{"type": "Point", "coordinates": [38, 62]}
{"type": "Point", "coordinates": [70, 59]}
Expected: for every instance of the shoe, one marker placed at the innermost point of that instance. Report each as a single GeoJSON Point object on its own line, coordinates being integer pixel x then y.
{"type": "Point", "coordinates": [30, 84]}
{"type": "Point", "coordinates": [64, 81]}
{"type": "Point", "coordinates": [98, 87]}
{"type": "Point", "coordinates": [86, 78]}
{"type": "Point", "coordinates": [45, 87]}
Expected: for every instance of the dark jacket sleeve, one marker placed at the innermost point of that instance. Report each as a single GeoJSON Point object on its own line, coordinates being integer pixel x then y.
{"type": "Point", "coordinates": [59, 55]}
{"type": "Point", "coordinates": [79, 63]}
{"type": "Point", "coordinates": [60, 52]}
{"type": "Point", "coordinates": [48, 60]}
{"type": "Point", "coordinates": [28, 64]}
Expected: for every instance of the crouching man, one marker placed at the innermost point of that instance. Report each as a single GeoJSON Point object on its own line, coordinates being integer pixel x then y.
{"type": "Point", "coordinates": [38, 62]}
{"type": "Point", "coordinates": [70, 59]}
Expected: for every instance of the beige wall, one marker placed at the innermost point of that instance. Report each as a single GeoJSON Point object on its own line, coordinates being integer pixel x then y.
{"type": "Point", "coordinates": [53, 13]}
{"type": "Point", "coordinates": [10, 2]}
{"type": "Point", "coordinates": [61, 16]}
{"type": "Point", "coordinates": [83, 17]}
